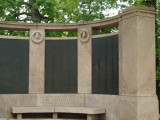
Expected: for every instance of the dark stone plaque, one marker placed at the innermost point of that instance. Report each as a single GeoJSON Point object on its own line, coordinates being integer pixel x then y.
{"type": "Point", "coordinates": [105, 65]}
{"type": "Point", "coordinates": [61, 66]}
{"type": "Point", "coordinates": [14, 66]}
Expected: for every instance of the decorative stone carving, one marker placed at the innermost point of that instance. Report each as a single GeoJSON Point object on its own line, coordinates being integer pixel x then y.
{"type": "Point", "coordinates": [84, 36]}
{"type": "Point", "coordinates": [37, 37]}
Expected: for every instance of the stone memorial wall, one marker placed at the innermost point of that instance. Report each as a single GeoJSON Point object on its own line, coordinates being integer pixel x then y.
{"type": "Point", "coordinates": [114, 71]}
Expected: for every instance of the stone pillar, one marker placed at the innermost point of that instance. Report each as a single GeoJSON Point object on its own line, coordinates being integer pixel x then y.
{"type": "Point", "coordinates": [138, 100]}
{"type": "Point", "coordinates": [84, 60]}
{"type": "Point", "coordinates": [37, 61]}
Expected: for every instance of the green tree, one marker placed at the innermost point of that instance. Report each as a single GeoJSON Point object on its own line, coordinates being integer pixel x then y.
{"type": "Point", "coordinates": [158, 41]}
{"type": "Point", "coordinates": [54, 10]}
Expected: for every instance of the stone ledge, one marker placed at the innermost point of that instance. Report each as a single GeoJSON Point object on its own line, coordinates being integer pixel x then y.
{"type": "Point", "coordinates": [82, 110]}
{"type": "Point", "coordinates": [38, 119]}
{"type": "Point", "coordinates": [103, 23]}
{"type": "Point", "coordinates": [32, 109]}
{"type": "Point", "coordinates": [144, 8]}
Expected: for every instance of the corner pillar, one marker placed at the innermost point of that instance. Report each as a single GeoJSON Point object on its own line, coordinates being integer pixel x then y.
{"type": "Point", "coordinates": [138, 100]}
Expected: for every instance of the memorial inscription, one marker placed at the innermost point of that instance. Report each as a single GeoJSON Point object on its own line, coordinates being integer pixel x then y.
{"type": "Point", "coordinates": [60, 100]}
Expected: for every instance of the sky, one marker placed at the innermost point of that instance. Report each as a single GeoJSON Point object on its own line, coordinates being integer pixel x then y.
{"type": "Point", "coordinates": [113, 12]}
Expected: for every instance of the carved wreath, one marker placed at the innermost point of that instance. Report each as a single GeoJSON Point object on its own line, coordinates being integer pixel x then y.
{"type": "Point", "coordinates": [37, 37]}
{"type": "Point", "coordinates": [84, 36]}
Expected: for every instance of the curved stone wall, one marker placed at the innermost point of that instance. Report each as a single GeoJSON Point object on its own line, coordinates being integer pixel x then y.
{"type": "Point", "coordinates": [137, 98]}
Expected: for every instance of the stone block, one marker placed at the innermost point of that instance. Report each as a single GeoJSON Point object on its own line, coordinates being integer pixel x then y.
{"type": "Point", "coordinates": [8, 101]}
{"type": "Point", "coordinates": [109, 102]}
{"type": "Point", "coordinates": [80, 110]}
{"type": "Point", "coordinates": [138, 108]}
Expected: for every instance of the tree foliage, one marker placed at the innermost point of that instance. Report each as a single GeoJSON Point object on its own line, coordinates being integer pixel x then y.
{"type": "Point", "coordinates": [53, 11]}
{"type": "Point", "coordinates": [158, 41]}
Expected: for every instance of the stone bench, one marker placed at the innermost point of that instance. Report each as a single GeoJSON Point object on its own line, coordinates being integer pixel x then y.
{"type": "Point", "coordinates": [92, 113]}
{"type": "Point", "coordinates": [40, 119]}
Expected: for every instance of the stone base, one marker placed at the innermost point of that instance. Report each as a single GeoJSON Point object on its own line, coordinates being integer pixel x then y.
{"type": "Point", "coordinates": [117, 107]}
{"type": "Point", "coordinates": [109, 102]}
{"type": "Point", "coordinates": [138, 108]}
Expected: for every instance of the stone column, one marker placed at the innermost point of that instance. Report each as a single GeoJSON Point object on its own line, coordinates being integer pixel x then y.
{"type": "Point", "coordinates": [37, 61]}
{"type": "Point", "coordinates": [84, 60]}
{"type": "Point", "coordinates": [138, 100]}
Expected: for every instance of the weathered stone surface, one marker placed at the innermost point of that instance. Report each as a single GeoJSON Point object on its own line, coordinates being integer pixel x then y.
{"type": "Point", "coordinates": [85, 62]}
{"type": "Point", "coordinates": [37, 61]}
{"type": "Point", "coordinates": [137, 67]}
{"type": "Point", "coordinates": [60, 100]}
{"type": "Point", "coordinates": [83, 110]}
{"type": "Point", "coordinates": [137, 58]}
{"type": "Point", "coordinates": [109, 102]}
{"type": "Point", "coordinates": [39, 100]}
{"type": "Point", "coordinates": [138, 108]}
{"type": "Point", "coordinates": [33, 110]}
{"type": "Point", "coordinates": [9, 101]}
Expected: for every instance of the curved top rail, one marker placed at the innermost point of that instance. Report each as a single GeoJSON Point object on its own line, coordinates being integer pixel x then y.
{"type": "Point", "coordinates": [98, 24]}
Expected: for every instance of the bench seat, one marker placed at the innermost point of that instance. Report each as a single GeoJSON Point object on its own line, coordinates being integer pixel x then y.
{"type": "Point", "coordinates": [91, 112]}
{"type": "Point", "coordinates": [81, 110]}
{"type": "Point", "coordinates": [32, 109]}
{"type": "Point", "coordinates": [41, 119]}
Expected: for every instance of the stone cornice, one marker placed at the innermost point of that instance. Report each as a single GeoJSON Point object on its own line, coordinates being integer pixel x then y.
{"type": "Point", "coordinates": [98, 24]}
